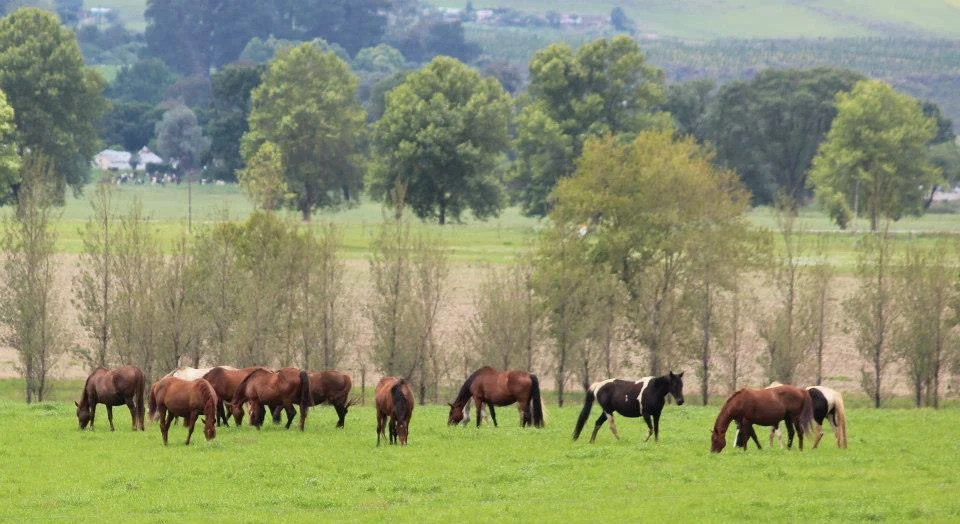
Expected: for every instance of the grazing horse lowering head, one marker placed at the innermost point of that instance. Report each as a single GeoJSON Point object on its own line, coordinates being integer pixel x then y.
{"type": "Point", "coordinates": [456, 414]}
{"type": "Point", "coordinates": [83, 415]}
{"type": "Point", "coordinates": [676, 386]}
{"type": "Point", "coordinates": [718, 441]}
{"type": "Point", "coordinates": [236, 409]}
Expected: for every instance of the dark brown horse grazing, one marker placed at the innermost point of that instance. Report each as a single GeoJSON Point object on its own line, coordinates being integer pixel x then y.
{"type": "Point", "coordinates": [174, 397]}
{"type": "Point", "coordinates": [225, 380]}
{"type": "Point", "coordinates": [500, 388]}
{"type": "Point", "coordinates": [394, 402]}
{"type": "Point", "coordinates": [332, 387]}
{"type": "Point", "coordinates": [112, 387]}
{"type": "Point", "coordinates": [284, 387]}
{"type": "Point", "coordinates": [766, 407]}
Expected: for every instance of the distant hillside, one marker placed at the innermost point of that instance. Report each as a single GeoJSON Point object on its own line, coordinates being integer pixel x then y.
{"type": "Point", "coordinates": [710, 19]}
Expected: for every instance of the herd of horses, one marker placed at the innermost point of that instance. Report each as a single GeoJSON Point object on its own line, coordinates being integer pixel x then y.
{"type": "Point", "coordinates": [209, 393]}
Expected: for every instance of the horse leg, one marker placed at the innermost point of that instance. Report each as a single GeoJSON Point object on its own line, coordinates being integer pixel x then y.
{"type": "Point", "coordinates": [819, 432]}
{"type": "Point", "coordinates": [596, 427]}
{"type": "Point", "coordinates": [341, 414]}
{"type": "Point", "coordinates": [646, 418]}
{"type": "Point", "coordinates": [393, 430]}
{"type": "Point", "coordinates": [656, 427]}
{"type": "Point", "coordinates": [479, 405]}
{"type": "Point", "coordinates": [753, 435]}
{"type": "Point", "coordinates": [165, 425]}
{"type": "Point", "coordinates": [379, 427]}
{"type": "Point", "coordinates": [93, 414]}
{"type": "Point", "coordinates": [290, 414]}
{"type": "Point", "coordinates": [190, 421]}
{"type": "Point", "coordinates": [276, 414]}
{"type": "Point", "coordinates": [110, 416]}
{"type": "Point", "coordinates": [789, 424]}
{"type": "Point", "coordinates": [256, 412]}
{"type": "Point", "coordinates": [493, 414]}
{"type": "Point", "coordinates": [133, 412]}
{"type": "Point", "coordinates": [799, 433]}
{"type": "Point", "coordinates": [775, 432]}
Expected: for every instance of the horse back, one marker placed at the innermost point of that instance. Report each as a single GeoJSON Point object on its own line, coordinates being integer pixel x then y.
{"type": "Point", "coordinates": [382, 397]}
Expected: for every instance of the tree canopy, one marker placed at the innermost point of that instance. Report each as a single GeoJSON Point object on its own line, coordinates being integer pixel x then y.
{"type": "Point", "coordinates": [306, 104]}
{"type": "Point", "coordinates": [180, 138]}
{"type": "Point", "coordinates": [144, 81]}
{"type": "Point", "coordinates": [606, 86]}
{"type": "Point", "coordinates": [875, 154]}
{"type": "Point", "coordinates": [442, 133]}
{"type": "Point", "coordinates": [227, 117]}
{"type": "Point", "coordinates": [57, 101]}
{"type": "Point", "coordinates": [9, 159]}
{"type": "Point", "coordinates": [768, 129]}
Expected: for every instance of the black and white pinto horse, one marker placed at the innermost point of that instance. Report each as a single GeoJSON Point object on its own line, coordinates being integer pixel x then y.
{"type": "Point", "coordinates": [827, 404]}
{"type": "Point", "coordinates": [630, 398]}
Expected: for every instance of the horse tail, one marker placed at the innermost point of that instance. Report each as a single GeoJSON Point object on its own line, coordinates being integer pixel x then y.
{"type": "Point", "coordinates": [305, 396]}
{"type": "Point", "coordinates": [536, 403]}
{"type": "Point", "coordinates": [153, 403]}
{"type": "Point", "coordinates": [399, 401]}
{"type": "Point", "coordinates": [806, 413]}
{"type": "Point", "coordinates": [584, 413]}
{"type": "Point", "coordinates": [841, 416]}
{"type": "Point", "coordinates": [210, 401]}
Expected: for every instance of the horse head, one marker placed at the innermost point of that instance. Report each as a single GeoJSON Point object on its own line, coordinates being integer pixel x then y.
{"type": "Point", "coordinates": [403, 427]}
{"type": "Point", "coordinates": [717, 441]}
{"type": "Point", "coordinates": [209, 427]}
{"type": "Point", "coordinates": [676, 387]}
{"type": "Point", "coordinates": [83, 415]}
{"type": "Point", "coordinates": [236, 409]}
{"type": "Point", "coordinates": [456, 415]}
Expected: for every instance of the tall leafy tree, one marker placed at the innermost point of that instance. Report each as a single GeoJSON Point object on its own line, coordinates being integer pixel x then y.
{"type": "Point", "coordinates": [354, 24]}
{"type": "Point", "coordinates": [130, 124]}
{"type": "Point", "coordinates": [687, 103]}
{"type": "Point", "coordinates": [144, 81]}
{"type": "Point", "coordinates": [875, 154]}
{"type": "Point", "coordinates": [9, 159]}
{"type": "Point", "coordinates": [227, 119]}
{"type": "Point", "coordinates": [768, 129]}
{"type": "Point", "coordinates": [57, 101]}
{"type": "Point", "coordinates": [306, 105]}
{"type": "Point", "coordinates": [442, 133]}
{"type": "Point", "coordinates": [180, 138]}
{"type": "Point", "coordinates": [606, 86]}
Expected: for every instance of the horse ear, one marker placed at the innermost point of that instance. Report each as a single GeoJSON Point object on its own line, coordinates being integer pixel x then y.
{"type": "Point", "coordinates": [450, 404]}
{"type": "Point", "coordinates": [75, 403]}
{"type": "Point", "coordinates": [680, 374]}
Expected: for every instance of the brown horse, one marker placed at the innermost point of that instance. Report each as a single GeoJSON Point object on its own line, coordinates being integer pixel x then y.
{"type": "Point", "coordinates": [225, 380]}
{"type": "Point", "coordinates": [500, 388]}
{"type": "Point", "coordinates": [112, 387]}
{"type": "Point", "coordinates": [263, 387]}
{"type": "Point", "coordinates": [394, 402]}
{"type": "Point", "coordinates": [766, 407]}
{"type": "Point", "coordinates": [174, 397]}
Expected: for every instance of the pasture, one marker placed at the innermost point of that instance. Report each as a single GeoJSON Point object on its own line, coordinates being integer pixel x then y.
{"type": "Point", "coordinates": [901, 465]}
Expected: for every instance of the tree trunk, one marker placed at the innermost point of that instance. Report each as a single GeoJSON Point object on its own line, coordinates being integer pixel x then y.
{"type": "Point", "coordinates": [705, 346]}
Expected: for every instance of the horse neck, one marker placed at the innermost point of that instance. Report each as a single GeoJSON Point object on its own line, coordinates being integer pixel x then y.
{"type": "Point", "coordinates": [85, 396]}
{"type": "Point", "coordinates": [463, 397]}
{"type": "Point", "coordinates": [660, 387]}
{"type": "Point", "coordinates": [727, 414]}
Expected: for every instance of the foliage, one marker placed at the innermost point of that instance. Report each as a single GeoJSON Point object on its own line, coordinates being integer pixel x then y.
{"type": "Point", "coordinates": [353, 24]}
{"type": "Point", "coordinates": [144, 81]}
{"type": "Point", "coordinates": [180, 138]}
{"type": "Point", "coordinates": [306, 104]}
{"type": "Point", "coordinates": [263, 180]}
{"type": "Point", "coordinates": [647, 204]}
{"type": "Point", "coordinates": [876, 153]}
{"type": "Point", "coordinates": [131, 124]}
{"type": "Point", "coordinates": [768, 129]}
{"type": "Point", "coordinates": [620, 21]}
{"type": "Point", "coordinates": [431, 37]}
{"type": "Point", "coordinates": [9, 157]}
{"type": "Point", "coordinates": [605, 87]}
{"type": "Point", "coordinates": [56, 99]}
{"type": "Point", "coordinates": [227, 118]}
{"type": "Point", "coordinates": [441, 135]}
{"type": "Point", "coordinates": [688, 102]}
{"type": "Point", "coordinates": [93, 282]}
{"type": "Point", "coordinates": [179, 315]}
{"type": "Point", "coordinates": [381, 58]}
{"type": "Point", "coordinates": [29, 299]}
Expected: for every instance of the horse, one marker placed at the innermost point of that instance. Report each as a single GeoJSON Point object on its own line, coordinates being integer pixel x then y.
{"type": "Point", "coordinates": [189, 373]}
{"type": "Point", "coordinates": [765, 407]}
{"type": "Point", "coordinates": [500, 388]}
{"type": "Point", "coordinates": [827, 404]}
{"type": "Point", "coordinates": [630, 398]}
{"type": "Point", "coordinates": [263, 387]}
{"type": "Point", "coordinates": [112, 387]}
{"type": "Point", "coordinates": [394, 402]}
{"type": "Point", "coordinates": [332, 387]}
{"type": "Point", "coordinates": [225, 380]}
{"type": "Point", "coordinates": [174, 397]}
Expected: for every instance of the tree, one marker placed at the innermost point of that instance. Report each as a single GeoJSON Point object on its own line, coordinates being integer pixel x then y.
{"type": "Point", "coordinates": [227, 120]}
{"type": "Point", "coordinates": [326, 308]}
{"type": "Point", "coordinates": [56, 100]}
{"type": "Point", "coordinates": [620, 21]}
{"type": "Point", "coordinates": [944, 125]}
{"type": "Point", "coordinates": [605, 87]}
{"type": "Point", "coordinates": [178, 308]}
{"type": "Point", "coordinates": [688, 104]}
{"type": "Point", "coordinates": [180, 139]}
{"type": "Point", "coordinates": [876, 152]}
{"type": "Point", "coordinates": [306, 104]}
{"type": "Point", "coordinates": [262, 180]}
{"type": "Point", "coordinates": [430, 37]}
{"type": "Point", "coordinates": [441, 135]}
{"type": "Point", "coordinates": [768, 129]}
{"type": "Point", "coordinates": [221, 285]}
{"type": "Point", "coordinates": [9, 157]}
{"type": "Point", "coordinates": [144, 81]}
{"type": "Point", "coordinates": [816, 296]}
{"type": "Point", "coordinates": [382, 58]}
{"type": "Point", "coordinates": [93, 286]}
{"type": "Point", "coordinates": [646, 204]}
{"type": "Point", "coordinates": [30, 305]}
{"type": "Point", "coordinates": [353, 24]}
{"type": "Point", "coordinates": [871, 312]}
{"type": "Point", "coordinates": [131, 124]}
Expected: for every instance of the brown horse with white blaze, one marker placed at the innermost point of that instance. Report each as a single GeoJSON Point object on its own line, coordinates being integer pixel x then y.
{"type": "Point", "coordinates": [766, 407]}
{"type": "Point", "coordinates": [394, 401]}
{"type": "Point", "coordinates": [112, 387]}
{"type": "Point", "coordinates": [500, 388]}
{"type": "Point", "coordinates": [284, 387]}
{"type": "Point", "coordinates": [174, 397]}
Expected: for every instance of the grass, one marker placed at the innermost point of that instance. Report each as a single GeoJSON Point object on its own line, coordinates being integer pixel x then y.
{"type": "Point", "coordinates": [901, 465]}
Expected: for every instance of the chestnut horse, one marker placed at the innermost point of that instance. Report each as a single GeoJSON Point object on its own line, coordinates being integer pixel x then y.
{"type": "Point", "coordinates": [112, 387]}
{"type": "Point", "coordinates": [263, 387]}
{"type": "Point", "coordinates": [394, 402]}
{"type": "Point", "coordinates": [174, 397]}
{"type": "Point", "coordinates": [766, 407]}
{"type": "Point", "coordinates": [500, 388]}
{"type": "Point", "coordinates": [225, 380]}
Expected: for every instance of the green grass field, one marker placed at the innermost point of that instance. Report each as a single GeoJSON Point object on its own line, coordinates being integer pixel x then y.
{"type": "Point", "coordinates": [900, 465]}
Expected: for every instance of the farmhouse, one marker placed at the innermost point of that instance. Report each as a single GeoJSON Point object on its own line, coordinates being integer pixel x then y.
{"type": "Point", "coordinates": [113, 160]}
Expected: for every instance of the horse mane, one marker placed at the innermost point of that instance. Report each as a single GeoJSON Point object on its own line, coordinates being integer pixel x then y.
{"type": "Point", "coordinates": [464, 393]}
{"type": "Point", "coordinates": [210, 401]}
{"type": "Point", "coordinates": [239, 393]}
{"type": "Point", "coordinates": [84, 396]}
{"type": "Point", "coordinates": [725, 410]}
